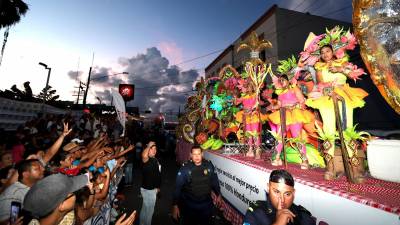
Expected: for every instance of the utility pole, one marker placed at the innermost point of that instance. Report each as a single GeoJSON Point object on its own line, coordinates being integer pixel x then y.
{"type": "Point", "coordinates": [80, 88]}
{"type": "Point", "coordinates": [87, 88]}
{"type": "Point", "coordinates": [87, 84]}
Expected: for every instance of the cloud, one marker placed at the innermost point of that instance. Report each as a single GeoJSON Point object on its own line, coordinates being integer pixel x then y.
{"type": "Point", "coordinates": [171, 51]}
{"type": "Point", "coordinates": [159, 86]}
{"type": "Point", "coordinates": [74, 75]}
{"type": "Point", "coordinates": [104, 96]}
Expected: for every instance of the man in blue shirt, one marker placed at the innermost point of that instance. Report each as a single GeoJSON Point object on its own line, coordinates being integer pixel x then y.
{"type": "Point", "coordinates": [195, 181]}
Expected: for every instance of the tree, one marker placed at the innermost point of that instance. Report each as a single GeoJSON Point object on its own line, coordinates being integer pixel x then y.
{"type": "Point", "coordinates": [10, 14]}
{"type": "Point", "coordinates": [51, 97]}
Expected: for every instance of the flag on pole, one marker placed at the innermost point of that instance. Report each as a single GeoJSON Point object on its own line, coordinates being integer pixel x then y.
{"type": "Point", "coordinates": [119, 104]}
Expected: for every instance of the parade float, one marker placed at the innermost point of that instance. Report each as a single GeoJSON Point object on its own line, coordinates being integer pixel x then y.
{"type": "Point", "coordinates": [299, 116]}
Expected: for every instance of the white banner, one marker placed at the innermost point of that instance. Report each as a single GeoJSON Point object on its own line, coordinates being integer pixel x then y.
{"type": "Point", "coordinates": [119, 105]}
{"type": "Point", "coordinates": [241, 184]}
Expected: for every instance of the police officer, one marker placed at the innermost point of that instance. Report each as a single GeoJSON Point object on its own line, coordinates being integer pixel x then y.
{"type": "Point", "coordinates": [279, 208]}
{"type": "Point", "coordinates": [192, 202]}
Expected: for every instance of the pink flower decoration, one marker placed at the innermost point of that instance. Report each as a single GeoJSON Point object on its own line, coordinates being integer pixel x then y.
{"type": "Point", "coordinates": [304, 55]}
{"type": "Point", "coordinates": [312, 60]}
{"type": "Point", "coordinates": [312, 48]}
{"type": "Point", "coordinates": [355, 74]}
{"type": "Point", "coordinates": [343, 39]}
{"type": "Point", "coordinates": [340, 53]}
{"type": "Point", "coordinates": [230, 83]}
{"type": "Point", "coordinates": [352, 41]}
{"type": "Point", "coordinates": [267, 94]}
{"type": "Point", "coordinates": [242, 85]}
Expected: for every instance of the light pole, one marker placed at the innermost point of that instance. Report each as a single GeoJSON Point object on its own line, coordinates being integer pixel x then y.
{"type": "Point", "coordinates": [47, 82]}
{"type": "Point", "coordinates": [96, 78]}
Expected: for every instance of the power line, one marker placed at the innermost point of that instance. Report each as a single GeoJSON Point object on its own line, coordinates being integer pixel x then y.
{"type": "Point", "coordinates": [164, 85]}
{"type": "Point", "coordinates": [305, 21]}
{"type": "Point", "coordinates": [299, 5]}
{"type": "Point", "coordinates": [168, 95]}
{"type": "Point", "coordinates": [312, 5]}
{"type": "Point", "coordinates": [280, 32]}
{"type": "Point", "coordinates": [286, 29]}
{"type": "Point", "coordinates": [199, 57]}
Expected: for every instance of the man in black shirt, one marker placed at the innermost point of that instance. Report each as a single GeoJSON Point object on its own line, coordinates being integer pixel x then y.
{"type": "Point", "coordinates": [151, 182]}
{"type": "Point", "coordinates": [192, 197]}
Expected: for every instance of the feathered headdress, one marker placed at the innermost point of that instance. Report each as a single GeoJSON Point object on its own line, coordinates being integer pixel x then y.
{"type": "Point", "coordinates": [289, 68]}
{"type": "Point", "coordinates": [340, 40]}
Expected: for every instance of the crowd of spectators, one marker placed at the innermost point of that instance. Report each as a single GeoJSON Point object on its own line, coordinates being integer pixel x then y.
{"type": "Point", "coordinates": [58, 169]}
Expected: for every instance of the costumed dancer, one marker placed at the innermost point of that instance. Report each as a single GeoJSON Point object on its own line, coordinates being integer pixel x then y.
{"type": "Point", "coordinates": [250, 118]}
{"type": "Point", "coordinates": [291, 98]}
{"type": "Point", "coordinates": [333, 69]}
{"type": "Point", "coordinates": [256, 71]}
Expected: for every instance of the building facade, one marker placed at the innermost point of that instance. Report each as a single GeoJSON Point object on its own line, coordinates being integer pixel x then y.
{"type": "Point", "coordinates": [287, 31]}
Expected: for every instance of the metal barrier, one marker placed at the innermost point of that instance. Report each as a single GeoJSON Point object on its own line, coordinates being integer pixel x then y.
{"type": "Point", "coordinates": [15, 113]}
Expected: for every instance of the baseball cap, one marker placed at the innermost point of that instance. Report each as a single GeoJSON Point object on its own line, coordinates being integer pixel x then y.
{"type": "Point", "coordinates": [43, 197]}
{"type": "Point", "coordinates": [68, 147]}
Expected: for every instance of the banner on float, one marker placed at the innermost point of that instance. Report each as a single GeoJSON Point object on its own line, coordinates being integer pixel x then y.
{"type": "Point", "coordinates": [239, 183]}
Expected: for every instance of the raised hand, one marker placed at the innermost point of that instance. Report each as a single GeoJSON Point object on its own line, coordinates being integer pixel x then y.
{"type": "Point", "coordinates": [283, 216]}
{"type": "Point", "coordinates": [66, 131]}
{"type": "Point", "coordinates": [127, 221]}
{"type": "Point", "coordinates": [175, 212]}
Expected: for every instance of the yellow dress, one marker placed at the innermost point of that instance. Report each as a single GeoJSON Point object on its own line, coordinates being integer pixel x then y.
{"type": "Point", "coordinates": [352, 96]}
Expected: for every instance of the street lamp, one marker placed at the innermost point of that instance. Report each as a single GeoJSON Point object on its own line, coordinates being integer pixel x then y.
{"type": "Point", "coordinates": [88, 83]}
{"type": "Point", "coordinates": [47, 82]}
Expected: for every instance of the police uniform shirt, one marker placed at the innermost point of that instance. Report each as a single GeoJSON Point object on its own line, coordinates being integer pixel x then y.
{"type": "Point", "coordinates": [263, 213]}
{"type": "Point", "coordinates": [194, 183]}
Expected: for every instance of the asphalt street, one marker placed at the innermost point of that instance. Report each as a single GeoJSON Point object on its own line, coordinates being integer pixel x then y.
{"type": "Point", "coordinates": [162, 211]}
